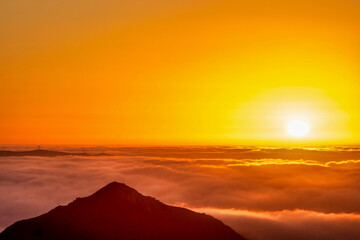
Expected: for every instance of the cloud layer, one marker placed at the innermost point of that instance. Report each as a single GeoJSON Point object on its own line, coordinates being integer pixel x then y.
{"type": "Point", "coordinates": [262, 198]}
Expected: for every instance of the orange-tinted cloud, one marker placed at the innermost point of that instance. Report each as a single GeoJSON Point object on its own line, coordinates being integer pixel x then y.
{"type": "Point", "coordinates": [284, 225]}
{"type": "Point", "coordinates": [265, 195]}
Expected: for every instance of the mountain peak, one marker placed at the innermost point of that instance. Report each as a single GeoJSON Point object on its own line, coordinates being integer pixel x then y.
{"type": "Point", "coordinates": [116, 184]}
{"type": "Point", "coordinates": [115, 192]}
{"type": "Point", "coordinates": [114, 187]}
{"type": "Point", "coordinates": [117, 211]}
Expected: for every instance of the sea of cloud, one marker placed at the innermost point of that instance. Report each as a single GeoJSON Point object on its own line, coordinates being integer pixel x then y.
{"type": "Point", "coordinates": [263, 193]}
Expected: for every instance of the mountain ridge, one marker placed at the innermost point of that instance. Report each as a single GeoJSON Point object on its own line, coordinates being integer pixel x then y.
{"type": "Point", "coordinates": [44, 153]}
{"type": "Point", "coordinates": [117, 211]}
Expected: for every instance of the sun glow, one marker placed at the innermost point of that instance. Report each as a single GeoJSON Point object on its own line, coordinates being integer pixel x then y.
{"type": "Point", "coordinates": [298, 128]}
{"type": "Point", "coordinates": [192, 72]}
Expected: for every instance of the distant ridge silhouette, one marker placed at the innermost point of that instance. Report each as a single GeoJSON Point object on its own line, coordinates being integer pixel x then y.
{"type": "Point", "coordinates": [118, 212]}
{"type": "Point", "coordinates": [44, 153]}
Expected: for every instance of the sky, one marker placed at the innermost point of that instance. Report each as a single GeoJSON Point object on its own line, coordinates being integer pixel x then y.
{"type": "Point", "coordinates": [148, 72]}
{"type": "Point", "coordinates": [262, 193]}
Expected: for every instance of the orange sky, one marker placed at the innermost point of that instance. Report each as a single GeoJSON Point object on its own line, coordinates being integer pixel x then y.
{"type": "Point", "coordinates": [179, 72]}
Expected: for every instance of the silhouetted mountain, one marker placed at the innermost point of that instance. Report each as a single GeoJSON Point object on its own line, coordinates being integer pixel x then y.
{"type": "Point", "coordinates": [118, 212]}
{"type": "Point", "coordinates": [44, 153]}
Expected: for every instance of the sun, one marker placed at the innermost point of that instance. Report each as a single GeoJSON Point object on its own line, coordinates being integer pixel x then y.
{"type": "Point", "coordinates": [298, 128]}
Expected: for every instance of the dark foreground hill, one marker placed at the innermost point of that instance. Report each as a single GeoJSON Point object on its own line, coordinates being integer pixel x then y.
{"type": "Point", "coordinates": [120, 212]}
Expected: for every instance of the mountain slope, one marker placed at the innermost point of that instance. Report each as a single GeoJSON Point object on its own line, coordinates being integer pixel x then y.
{"type": "Point", "coordinates": [119, 212]}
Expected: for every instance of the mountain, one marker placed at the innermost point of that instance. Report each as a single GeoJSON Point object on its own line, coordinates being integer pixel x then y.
{"type": "Point", "coordinates": [44, 153]}
{"type": "Point", "coordinates": [118, 212]}
{"type": "Point", "coordinates": [38, 153]}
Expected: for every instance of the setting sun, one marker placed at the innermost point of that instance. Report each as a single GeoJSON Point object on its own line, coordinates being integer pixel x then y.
{"type": "Point", "coordinates": [298, 128]}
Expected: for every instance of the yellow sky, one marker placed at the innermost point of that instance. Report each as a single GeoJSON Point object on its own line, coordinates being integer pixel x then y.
{"type": "Point", "coordinates": [179, 72]}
